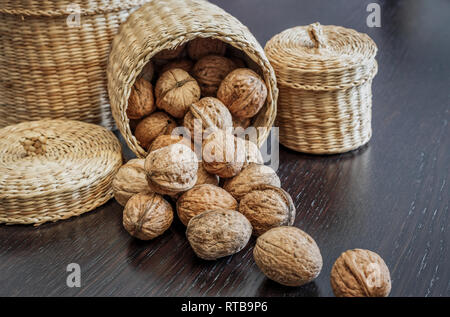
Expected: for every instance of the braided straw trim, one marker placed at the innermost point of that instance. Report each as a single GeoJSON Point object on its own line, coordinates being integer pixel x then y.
{"type": "Point", "coordinates": [324, 74]}
{"type": "Point", "coordinates": [167, 24]}
{"type": "Point", "coordinates": [55, 169]}
{"type": "Point", "coordinates": [51, 70]}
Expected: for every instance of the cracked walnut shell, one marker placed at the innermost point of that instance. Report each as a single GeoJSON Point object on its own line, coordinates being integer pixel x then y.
{"type": "Point", "coordinates": [202, 198]}
{"type": "Point", "coordinates": [252, 177]}
{"type": "Point", "coordinates": [156, 124]}
{"type": "Point", "coordinates": [243, 92]}
{"type": "Point", "coordinates": [129, 180]}
{"type": "Point", "coordinates": [175, 91]}
{"type": "Point", "coordinates": [171, 169]}
{"type": "Point", "coordinates": [201, 47]}
{"type": "Point", "coordinates": [141, 102]}
{"type": "Point", "coordinates": [360, 273]}
{"type": "Point", "coordinates": [267, 207]}
{"type": "Point", "coordinates": [218, 233]}
{"type": "Point", "coordinates": [210, 71]}
{"type": "Point", "coordinates": [147, 216]}
{"type": "Point", "coordinates": [288, 256]}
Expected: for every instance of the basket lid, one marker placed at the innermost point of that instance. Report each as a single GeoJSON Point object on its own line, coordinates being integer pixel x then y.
{"type": "Point", "coordinates": [322, 57]}
{"type": "Point", "coordinates": [55, 169]}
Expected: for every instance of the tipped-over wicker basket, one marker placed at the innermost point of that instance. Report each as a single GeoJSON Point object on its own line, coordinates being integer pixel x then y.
{"type": "Point", "coordinates": [167, 24]}
{"type": "Point", "coordinates": [55, 169]}
{"type": "Point", "coordinates": [51, 66]}
{"type": "Point", "coordinates": [324, 74]}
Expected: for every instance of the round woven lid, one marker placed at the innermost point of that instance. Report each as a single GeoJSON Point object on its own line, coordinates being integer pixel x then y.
{"type": "Point", "coordinates": [55, 169]}
{"type": "Point", "coordinates": [321, 57]}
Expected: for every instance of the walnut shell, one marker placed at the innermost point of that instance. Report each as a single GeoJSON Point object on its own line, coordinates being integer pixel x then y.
{"type": "Point", "coordinates": [148, 71]}
{"type": "Point", "coordinates": [175, 91]}
{"type": "Point", "coordinates": [243, 92]}
{"type": "Point", "coordinates": [210, 71]}
{"type": "Point", "coordinates": [147, 216]}
{"type": "Point", "coordinates": [288, 256]}
{"type": "Point", "coordinates": [251, 177]}
{"type": "Point", "coordinates": [184, 64]}
{"type": "Point", "coordinates": [171, 169]}
{"type": "Point", "coordinates": [158, 123]}
{"type": "Point", "coordinates": [204, 177]}
{"type": "Point", "coordinates": [202, 198]}
{"type": "Point", "coordinates": [166, 140]}
{"type": "Point", "coordinates": [141, 102]}
{"type": "Point", "coordinates": [252, 154]}
{"type": "Point", "coordinates": [223, 154]}
{"type": "Point", "coordinates": [129, 180]}
{"type": "Point", "coordinates": [218, 233]}
{"type": "Point", "coordinates": [170, 53]}
{"type": "Point", "coordinates": [201, 47]}
{"type": "Point", "coordinates": [360, 273]}
{"type": "Point", "coordinates": [243, 123]}
{"type": "Point", "coordinates": [210, 113]}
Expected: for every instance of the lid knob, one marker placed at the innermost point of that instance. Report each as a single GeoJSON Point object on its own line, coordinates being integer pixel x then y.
{"type": "Point", "coordinates": [315, 32]}
{"type": "Point", "coordinates": [34, 143]}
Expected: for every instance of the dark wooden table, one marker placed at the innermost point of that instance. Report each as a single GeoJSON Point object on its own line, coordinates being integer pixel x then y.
{"type": "Point", "coordinates": [391, 196]}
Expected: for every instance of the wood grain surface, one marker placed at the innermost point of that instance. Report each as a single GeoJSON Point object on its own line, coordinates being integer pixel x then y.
{"type": "Point", "coordinates": [391, 196]}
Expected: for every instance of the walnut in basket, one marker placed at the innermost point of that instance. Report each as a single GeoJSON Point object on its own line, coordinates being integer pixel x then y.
{"type": "Point", "coordinates": [201, 47]}
{"type": "Point", "coordinates": [210, 71]}
{"type": "Point", "coordinates": [170, 53]}
{"type": "Point", "coordinates": [141, 102]}
{"type": "Point", "coordinates": [184, 64]}
{"type": "Point", "coordinates": [175, 91]}
{"type": "Point", "coordinates": [243, 92]}
{"type": "Point", "coordinates": [158, 123]}
{"type": "Point", "coordinates": [166, 140]}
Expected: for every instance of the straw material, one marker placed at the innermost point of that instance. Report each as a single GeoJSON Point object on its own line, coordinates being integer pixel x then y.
{"type": "Point", "coordinates": [167, 24]}
{"type": "Point", "coordinates": [324, 74]}
{"type": "Point", "coordinates": [55, 169]}
{"type": "Point", "coordinates": [51, 70]}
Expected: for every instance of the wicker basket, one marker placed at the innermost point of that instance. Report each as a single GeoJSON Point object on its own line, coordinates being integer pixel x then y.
{"type": "Point", "coordinates": [49, 69]}
{"type": "Point", "coordinates": [324, 74]}
{"type": "Point", "coordinates": [55, 169]}
{"type": "Point", "coordinates": [167, 24]}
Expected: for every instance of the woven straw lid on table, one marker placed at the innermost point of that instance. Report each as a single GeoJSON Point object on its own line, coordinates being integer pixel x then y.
{"type": "Point", "coordinates": [55, 169]}
{"type": "Point", "coordinates": [167, 24]}
{"type": "Point", "coordinates": [324, 73]}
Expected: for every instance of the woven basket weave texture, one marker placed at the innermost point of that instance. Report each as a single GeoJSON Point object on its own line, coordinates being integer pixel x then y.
{"type": "Point", "coordinates": [49, 69]}
{"type": "Point", "coordinates": [55, 169]}
{"type": "Point", "coordinates": [167, 24]}
{"type": "Point", "coordinates": [324, 74]}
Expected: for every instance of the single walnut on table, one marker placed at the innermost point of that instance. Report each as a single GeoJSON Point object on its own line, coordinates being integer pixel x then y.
{"type": "Point", "coordinates": [202, 198]}
{"type": "Point", "coordinates": [243, 92]}
{"type": "Point", "coordinates": [171, 169]}
{"type": "Point", "coordinates": [288, 256]}
{"type": "Point", "coordinates": [141, 102]}
{"type": "Point", "coordinates": [210, 71]}
{"type": "Point", "coordinates": [360, 273]}
{"type": "Point", "coordinates": [129, 180]}
{"type": "Point", "coordinates": [218, 233]}
{"type": "Point", "coordinates": [151, 127]}
{"type": "Point", "coordinates": [175, 91]}
{"type": "Point", "coordinates": [201, 47]}
{"type": "Point", "coordinates": [147, 216]}
{"type": "Point", "coordinates": [267, 207]}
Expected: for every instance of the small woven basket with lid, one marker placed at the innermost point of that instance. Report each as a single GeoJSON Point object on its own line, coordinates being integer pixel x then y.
{"type": "Point", "coordinates": [168, 24]}
{"type": "Point", "coordinates": [51, 66]}
{"type": "Point", "coordinates": [324, 75]}
{"type": "Point", "coordinates": [55, 169]}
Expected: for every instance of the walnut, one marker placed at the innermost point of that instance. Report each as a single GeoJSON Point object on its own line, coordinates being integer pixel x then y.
{"type": "Point", "coordinates": [148, 71]}
{"type": "Point", "coordinates": [210, 113]}
{"type": "Point", "coordinates": [251, 177]}
{"type": "Point", "coordinates": [141, 102]}
{"type": "Point", "coordinates": [360, 273]}
{"type": "Point", "coordinates": [267, 207]}
{"type": "Point", "coordinates": [147, 216]}
{"type": "Point", "coordinates": [201, 47]}
{"type": "Point", "coordinates": [223, 154]}
{"type": "Point", "coordinates": [218, 233]}
{"type": "Point", "coordinates": [210, 71]}
{"type": "Point", "coordinates": [288, 256]}
{"type": "Point", "coordinates": [170, 53]}
{"type": "Point", "coordinates": [166, 140]}
{"type": "Point", "coordinates": [243, 92]}
{"type": "Point", "coordinates": [252, 153]}
{"type": "Point", "coordinates": [171, 169]}
{"type": "Point", "coordinates": [184, 64]}
{"type": "Point", "coordinates": [129, 180]}
{"type": "Point", "coordinates": [175, 91]}
{"type": "Point", "coordinates": [150, 128]}
{"type": "Point", "coordinates": [202, 198]}
{"type": "Point", "coordinates": [243, 123]}
{"type": "Point", "coordinates": [204, 177]}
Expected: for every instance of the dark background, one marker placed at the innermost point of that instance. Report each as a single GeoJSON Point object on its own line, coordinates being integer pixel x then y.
{"type": "Point", "coordinates": [391, 196]}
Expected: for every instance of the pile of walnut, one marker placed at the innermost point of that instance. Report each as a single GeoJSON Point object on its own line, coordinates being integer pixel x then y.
{"type": "Point", "coordinates": [220, 220]}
